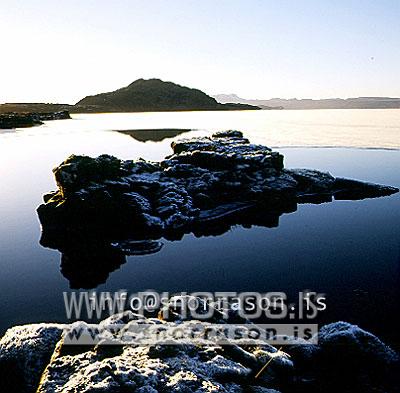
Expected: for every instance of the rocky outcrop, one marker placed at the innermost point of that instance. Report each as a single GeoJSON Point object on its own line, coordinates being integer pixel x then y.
{"type": "Point", "coordinates": [19, 120]}
{"type": "Point", "coordinates": [206, 186]}
{"type": "Point", "coordinates": [345, 359]}
{"type": "Point", "coordinates": [205, 180]}
{"type": "Point", "coordinates": [22, 120]}
{"type": "Point", "coordinates": [60, 115]}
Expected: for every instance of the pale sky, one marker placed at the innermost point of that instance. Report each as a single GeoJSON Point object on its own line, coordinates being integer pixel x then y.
{"type": "Point", "coordinates": [61, 51]}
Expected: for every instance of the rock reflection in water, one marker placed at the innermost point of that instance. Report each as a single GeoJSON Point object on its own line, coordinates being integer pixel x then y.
{"type": "Point", "coordinates": [88, 256]}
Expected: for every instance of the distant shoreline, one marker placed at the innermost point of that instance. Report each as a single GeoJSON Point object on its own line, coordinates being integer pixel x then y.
{"type": "Point", "coordinates": [156, 95]}
{"type": "Point", "coordinates": [33, 108]}
{"type": "Point", "coordinates": [77, 109]}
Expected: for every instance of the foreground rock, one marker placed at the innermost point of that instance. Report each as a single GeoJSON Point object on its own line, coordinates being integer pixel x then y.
{"type": "Point", "coordinates": [24, 352]}
{"type": "Point", "coordinates": [22, 120]}
{"type": "Point", "coordinates": [346, 359]}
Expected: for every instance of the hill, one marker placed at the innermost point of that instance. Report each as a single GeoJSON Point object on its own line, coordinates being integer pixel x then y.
{"type": "Point", "coordinates": [155, 95]}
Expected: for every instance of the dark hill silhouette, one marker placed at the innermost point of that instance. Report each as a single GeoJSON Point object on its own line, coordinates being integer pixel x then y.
{"type": "Point", "coordinates": [155, 95]}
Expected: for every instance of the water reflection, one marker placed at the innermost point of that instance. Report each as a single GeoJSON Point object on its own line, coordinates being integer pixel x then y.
{"type": "Point", "coordinates": [90, 251]}
{"type": "Point", "coordinates": [89, 255]}
{"type": "Point", "coordinates": [156, 135]}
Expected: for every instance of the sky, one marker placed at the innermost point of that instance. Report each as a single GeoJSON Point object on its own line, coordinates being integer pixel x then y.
{"type": "Point", "coordinates": [61, 51]}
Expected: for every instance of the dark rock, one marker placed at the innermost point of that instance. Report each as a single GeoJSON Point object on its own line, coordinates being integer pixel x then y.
{"type": "Point", "coordinates": [77, 172]}
{"type": "Point", "coordinates": [345, 359]}
{"type": "Point", "coordinates": [228, 134]}
{"type": "Point", "coordinates": [60, 115]}
{"type": "Point", "coordinates": [25, 352]}
{"type": "Point", "coordinates": [208, 185]}
{"type": "Point", "coordinates": [19, 120]}
{"type": "Point", "coordinates": [22, 120]}
{"type": "Point", "coordinates": [354, 189]}
{"type": "Point", "coordinates": [357, 357]}
{"type": "Point", "coordinates": [222, 173]}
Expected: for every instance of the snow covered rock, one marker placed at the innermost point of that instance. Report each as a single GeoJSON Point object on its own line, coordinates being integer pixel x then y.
{"type": "Point", "coordinates": [346, 359]}
{"type": "Point", "coordinates": [24, 353]}
{"type": "Point", "coordinates": [203, 175]}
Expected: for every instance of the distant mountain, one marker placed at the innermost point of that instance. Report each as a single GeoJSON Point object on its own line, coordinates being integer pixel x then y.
{"type": "Point", "coordinates": [223, 98]}
{"type": "Point", "coordinates": [155, 95]}
{"type": "Point", "coordinates": [329, 103]}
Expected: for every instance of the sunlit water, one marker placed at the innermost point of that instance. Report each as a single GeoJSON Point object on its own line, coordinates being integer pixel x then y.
{"type": "Point", "coordinates": [346, 249]}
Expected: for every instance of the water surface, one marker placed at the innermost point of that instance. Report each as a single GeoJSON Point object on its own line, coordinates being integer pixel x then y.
{"type": "Point", "coordinates": [349, 250]}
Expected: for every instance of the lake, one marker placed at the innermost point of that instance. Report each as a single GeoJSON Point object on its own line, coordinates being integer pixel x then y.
{"type": "Point", "coordinates": [349, 250]}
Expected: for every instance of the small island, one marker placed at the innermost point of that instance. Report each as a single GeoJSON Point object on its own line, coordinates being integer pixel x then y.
{"type": "Point", "coordinates": [206, 180]}
{"type": "Point", "coordinates": [106, 208]}
{"type": "Point", "coordinates": [155, 95]}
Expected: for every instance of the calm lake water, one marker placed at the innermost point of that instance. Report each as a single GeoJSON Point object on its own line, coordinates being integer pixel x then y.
{"type": "Point", "coordinates": [349, 250]}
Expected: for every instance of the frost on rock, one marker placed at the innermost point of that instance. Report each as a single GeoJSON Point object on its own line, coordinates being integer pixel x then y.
{"type": "Point", "coordinates": [176, 367]}
{"type": "Point", "coordinates": [343, 336]}
{"type": "Point", "coordinates": [24, 354]}
{"type": "Point", "coordinates": [346, 359]}
{"type": "Point", "coordinates": [358, 355]}
{"type": "Point", "coordinates": [154, 199]}
{"type": "Point", "coordinates": [205, 187]}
